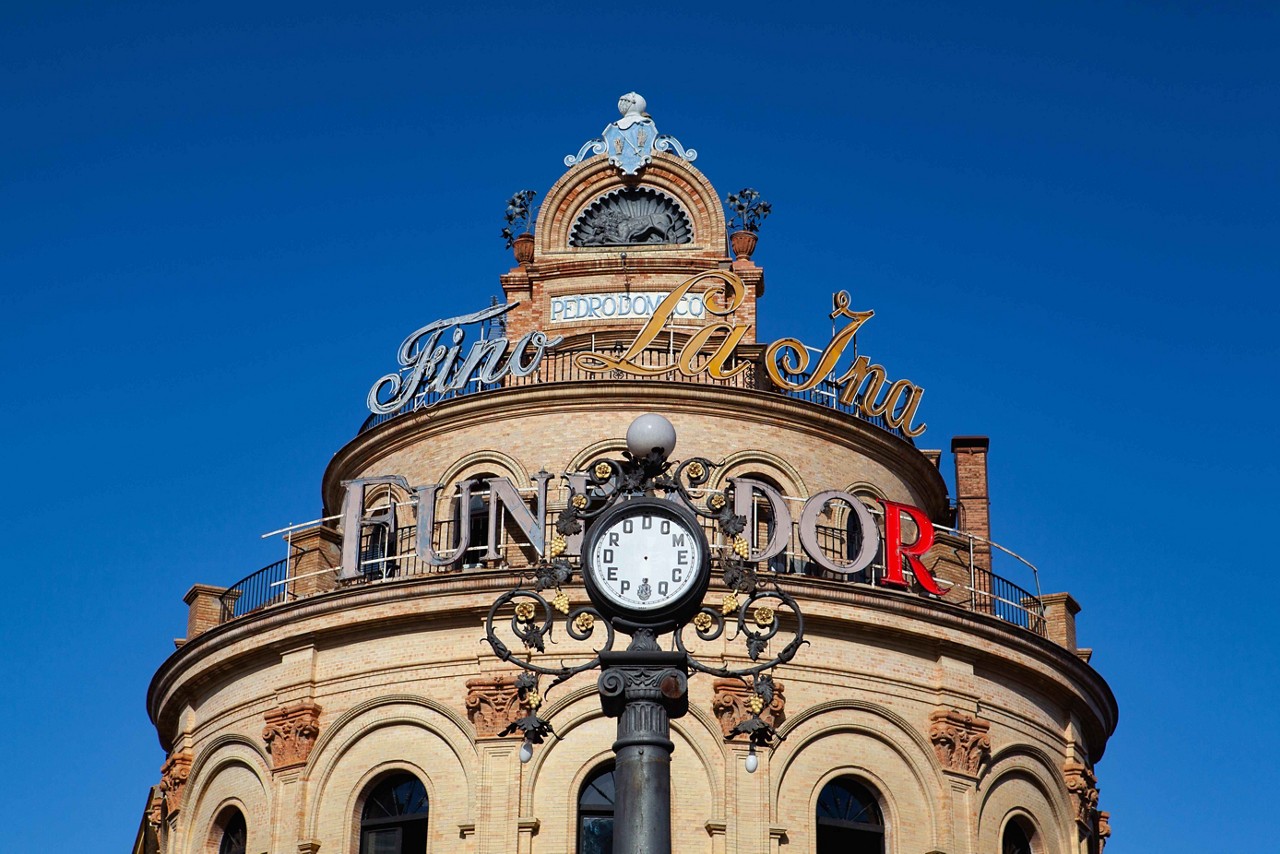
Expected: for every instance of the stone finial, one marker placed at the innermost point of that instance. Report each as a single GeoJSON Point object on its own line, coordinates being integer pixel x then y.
{"type": "Point", "coordinates": [1083, 787]}
{"type": "Point", "coordinates": [730, 705]}
{"type": "Point", "coordinates": [291, 732]}
{"type": "Point", "coordinates": [173, 779]}
{"type": "Point", "coordinates": [493, 703]}
{"type": "Point", "coordinates": [961, 740]}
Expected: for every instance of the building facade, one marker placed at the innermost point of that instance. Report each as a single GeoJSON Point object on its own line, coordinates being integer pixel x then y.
{"type": "Point", "coordinates": [344, 701]}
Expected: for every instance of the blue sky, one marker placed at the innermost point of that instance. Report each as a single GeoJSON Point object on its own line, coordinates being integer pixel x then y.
{"type": "Point", "coordinates": [217, 222]}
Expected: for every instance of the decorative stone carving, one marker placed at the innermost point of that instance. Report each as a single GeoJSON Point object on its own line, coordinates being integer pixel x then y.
{"type": "Point", "coordinates": [961, 740]}
{"type": "Point", "coordinates": [173, 779]}
{"type": "Point", "coordinates": [155, 810]}
{"type": "Point", "coordinates": [493, 704]}
{"type": "Point", "coordinates": [291, 732]}
{"type": "Point", "coordinates": [729, 702]}
{"type": "Point", "coordinates": [632, 215]}
{"type": "Point", "coordinates": [1104, 830]}
{"type": "Point", "coordinates": [1083, 787]}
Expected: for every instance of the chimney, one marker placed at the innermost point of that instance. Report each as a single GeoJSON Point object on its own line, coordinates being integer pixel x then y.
{"type": "Point", "coordinates": [973, 508]}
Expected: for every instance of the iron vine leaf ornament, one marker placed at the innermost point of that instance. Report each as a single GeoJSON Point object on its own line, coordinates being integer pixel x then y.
{"type": "Point", "coordinates": [755, 618]}
{"type": "Point", "coordinates": [747, 210]}
{"type": "Point", "coordinates": [519, 216]}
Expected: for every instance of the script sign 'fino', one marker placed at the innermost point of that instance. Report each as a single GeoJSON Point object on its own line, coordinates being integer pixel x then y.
{"type": "Point", "coordinates": [430, 365]}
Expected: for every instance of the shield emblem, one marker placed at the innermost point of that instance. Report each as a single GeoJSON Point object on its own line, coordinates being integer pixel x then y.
{"type": "Point", "coordinates": [630, 148]}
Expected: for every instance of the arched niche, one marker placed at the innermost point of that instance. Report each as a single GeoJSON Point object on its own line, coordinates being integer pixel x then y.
{"type": "Point", "coordinates": [1023, 785]}
{"type": "Point", "coordinates": [588, 183]}
{"type": "Point", "coordinates": [401, 733]}
{"type": "Point", "coordinates": [697, 790]}
{"type": "Point", "coordinates": [230, 776]}
{"type": "Point", "coordinates": [872, 745]}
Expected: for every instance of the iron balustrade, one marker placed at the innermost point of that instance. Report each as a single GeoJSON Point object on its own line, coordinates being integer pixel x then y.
{"type": "Point", "coordinates": [562, 367]}
{"type": "Point", "coordinates": [966, 582]}
{"type": "Point", "coordinates": [254, 592]}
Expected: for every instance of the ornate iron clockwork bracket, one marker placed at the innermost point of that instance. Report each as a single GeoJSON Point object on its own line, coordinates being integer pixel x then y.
{"type": "Point", "coordinates": [754, 610]}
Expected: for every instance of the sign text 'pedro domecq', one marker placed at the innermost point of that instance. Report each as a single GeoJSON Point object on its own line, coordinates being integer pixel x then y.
{"type": "Point", "coordinates": [432, 363]}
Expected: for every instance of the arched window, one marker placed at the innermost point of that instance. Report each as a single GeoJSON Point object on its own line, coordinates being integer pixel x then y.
{"type": "Point", "coordinates": [378, 537]}
{"type": "Point", "coordinates": [1016, 839]}
{"type": "Point", "coordinates": [234, 831]}
{"type": "Point", "coordinates": [761, 525]}
{"type": "Point", "coordinates": [394, 819]}
{"type": "Point", "coordinates": [849, 819]}
{"type": "Point", "coordinates": [478, 522]}
{"type": "Point", "coordinates": [853, 538]}
{"type": "Point", "coordinates": [595, 813]}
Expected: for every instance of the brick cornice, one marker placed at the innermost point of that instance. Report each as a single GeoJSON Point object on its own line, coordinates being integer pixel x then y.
{"type": "Point", "coordinates": [458, 601]}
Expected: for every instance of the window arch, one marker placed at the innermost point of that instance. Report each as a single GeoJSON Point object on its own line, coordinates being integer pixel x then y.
{"type": "Point", "coordinates": [849, 819]}
{"type": "Point", "coordinates": [394, 817]}
{"type": "Point", "coordinates": [478, 521]}
{"type": "Point", "coordinates": [379, 533]}
{"type": "Point", "coordinates": [764, 525]}
{"type": "Point", "coordinates": [234, 832]}
{"type": "Point", "coordinates": [1016, 838]}
{"type": "Point", "coordinates": [595, 813]}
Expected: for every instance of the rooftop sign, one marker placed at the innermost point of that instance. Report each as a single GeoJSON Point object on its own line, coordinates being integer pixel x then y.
{"type": "Point", "coordinates": [432, 358]}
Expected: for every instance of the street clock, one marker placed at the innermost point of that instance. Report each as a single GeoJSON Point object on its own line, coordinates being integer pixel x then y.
{"type": "Point", "coordinates": [646, 560]}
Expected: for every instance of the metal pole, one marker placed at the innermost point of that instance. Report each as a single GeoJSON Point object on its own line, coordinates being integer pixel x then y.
{"type": "Point", "coordinates": [644, 690]}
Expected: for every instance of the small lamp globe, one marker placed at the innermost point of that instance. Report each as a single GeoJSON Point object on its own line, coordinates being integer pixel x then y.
{"type": "Point", "coordinates": [650, 432]}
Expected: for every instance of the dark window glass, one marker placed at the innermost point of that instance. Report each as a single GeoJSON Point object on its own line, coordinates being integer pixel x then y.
{"type": "Point", "coordinates": [1016, 840]}
{"type": "Point", "coordinates": [394, 819]}
{"type": "Point", "coordinates": [853, 544]}
{"type": "Point", "coordinates": [849, 819]}
{"type": "Point", "coordinates": [595, 813]}
{"type": "Point", "coordinates": [233, 834]}
{"type": "Point", "coordinates": [762, 525]}
{"type": "Point", "coordinates": [478, 522]}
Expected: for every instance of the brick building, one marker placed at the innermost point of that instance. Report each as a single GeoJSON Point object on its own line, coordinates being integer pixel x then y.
{"type": "Point", "coordinates": [342, 701]}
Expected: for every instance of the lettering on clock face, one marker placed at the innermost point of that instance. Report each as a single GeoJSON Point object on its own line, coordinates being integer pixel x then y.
{"type": "Point", "coordinates": [645, 561]}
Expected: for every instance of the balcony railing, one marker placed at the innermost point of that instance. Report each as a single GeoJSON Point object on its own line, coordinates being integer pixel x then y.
{"type": "Point", "coordinates": [561, 367]}
{"type": "Point", "coordinates": [255, 592]}
{"type": "Point", "coordinates": [960, 563]}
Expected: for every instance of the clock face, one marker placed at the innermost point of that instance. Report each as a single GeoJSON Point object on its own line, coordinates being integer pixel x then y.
{"type": "Point", "coordinates": [646, 556]}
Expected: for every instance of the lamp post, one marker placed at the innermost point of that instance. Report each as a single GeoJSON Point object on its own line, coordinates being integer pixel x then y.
{"type": "Point", "coordinates": [646, 565]}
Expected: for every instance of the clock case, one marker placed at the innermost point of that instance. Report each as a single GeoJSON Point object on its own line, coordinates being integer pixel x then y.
{"type": "Point", "coordinates": [678, 611]}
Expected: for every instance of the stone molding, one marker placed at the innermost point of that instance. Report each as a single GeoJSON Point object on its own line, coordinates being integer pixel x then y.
{"type": "Point", "coordinates": [493, 703]}
{"type": "Point", "coordinates": [290, 733]}
{"type": "Point", "coordinates": [1083, 787]}
{"type": "Point", "coordinates": [173, 779]}
{"type": "Point", "coordinates": [746, 406]}
{"type": "Point", "coordinates": [729, 703]}
{"type": "Point", "coordinates": [961, 740]}
{"type": "Point", "coordinates": [155, 810]}
{"type": "Point", "coordinates": [387, 605]}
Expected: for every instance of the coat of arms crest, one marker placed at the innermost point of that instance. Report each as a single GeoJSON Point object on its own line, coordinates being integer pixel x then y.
{"type": "Point", "coordinates": [630, 142]}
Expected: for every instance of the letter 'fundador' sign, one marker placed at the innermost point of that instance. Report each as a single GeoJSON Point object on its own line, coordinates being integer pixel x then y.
{"type": "Point", "coordinates": [505, 504]}
{"type": "Point", "coordinates": [429, 364]}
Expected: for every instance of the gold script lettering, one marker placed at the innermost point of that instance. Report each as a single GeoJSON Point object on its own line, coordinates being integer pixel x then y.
{"type": "Point", "coordinates": [862, 384]}
{"type": "Point", "coordinates": [795, 358]}
{"type": "Point", "coordinates": [729, 292]}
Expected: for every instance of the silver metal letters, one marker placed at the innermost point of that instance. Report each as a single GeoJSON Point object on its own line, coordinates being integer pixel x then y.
{"type": "Point", "coordinates": [431, 369]}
